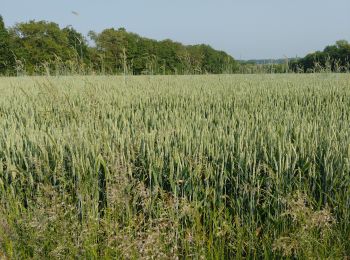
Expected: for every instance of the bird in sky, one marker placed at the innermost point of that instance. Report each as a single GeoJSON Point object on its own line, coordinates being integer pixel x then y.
{"type": "Point", "coordinates": [75, 13]}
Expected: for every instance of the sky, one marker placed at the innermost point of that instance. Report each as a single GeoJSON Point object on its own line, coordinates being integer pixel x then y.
{"type": "Point", "coordinates": [246, 29]}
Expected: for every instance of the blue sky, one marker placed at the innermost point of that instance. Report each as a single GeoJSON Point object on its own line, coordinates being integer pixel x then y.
{"type": "Point", "coordinates": [245, 29]}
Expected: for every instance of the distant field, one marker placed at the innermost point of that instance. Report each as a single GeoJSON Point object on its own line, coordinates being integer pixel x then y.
{"type": "Point", "coordinates": [254, 166]}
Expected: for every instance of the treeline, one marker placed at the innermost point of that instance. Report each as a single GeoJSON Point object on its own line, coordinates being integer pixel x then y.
{"type": "Point", "coordinates": [41, 47]}
{"type": "Point", "coordinates": [334, 58]}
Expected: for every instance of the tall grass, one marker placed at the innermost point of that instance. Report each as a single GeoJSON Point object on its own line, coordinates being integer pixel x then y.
{"type": "Point", "coordinates": [244, 166]}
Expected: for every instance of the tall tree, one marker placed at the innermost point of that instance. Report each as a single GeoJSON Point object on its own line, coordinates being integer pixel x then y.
{"type": "Point", "coordinates": [334, 57]}
{"type": "Point", "coordinates": [78, 42]}
{"type": "Point", "coordinates": [111, 44]}
{"type": "Point", "coordinates": [37, 43]}
{"type": "Point", "coordinates": [6, 57]}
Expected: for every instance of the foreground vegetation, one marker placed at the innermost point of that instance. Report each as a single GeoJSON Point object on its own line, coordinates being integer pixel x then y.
{"type": "Point", "coordinates": [185, 166]}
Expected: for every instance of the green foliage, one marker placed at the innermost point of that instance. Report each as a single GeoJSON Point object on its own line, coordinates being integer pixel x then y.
{"type": "Point", "coordinates": [77, 41]}
{"type": "Point", "coordinates": [6, 57]}
{"type": "Point", "coordinates": [38, 44]}
{"type": "Point", "coordinates": [119, 48]}
{"type": "Point", "coordinates": [40, 47]}
{"type": "Point", "coordinates": [203, 167]}
{"type": "Point", "coordinates": [333, 58]}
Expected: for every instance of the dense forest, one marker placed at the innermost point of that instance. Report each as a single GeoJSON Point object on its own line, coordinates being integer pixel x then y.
{"type": "Point", "coordinates": [41, 47]}
{"type": "Point", "coordinates": [38, 47]}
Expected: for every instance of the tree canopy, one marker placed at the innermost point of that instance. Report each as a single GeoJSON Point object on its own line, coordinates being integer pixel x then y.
{"type": "Point", "coordinates": [38, 44]}
{"type": "Point", "coordinates": [38, 47]}
{"type": "Point", "coordinates": [333, 58]}
{"type": "Point", "coordinates": [6, 57]}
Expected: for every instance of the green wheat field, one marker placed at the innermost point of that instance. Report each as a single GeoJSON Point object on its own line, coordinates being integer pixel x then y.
{"type": "Point", "coordinates": [174, 167]}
